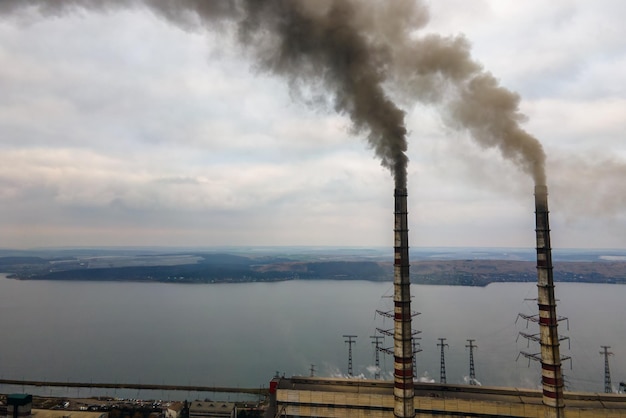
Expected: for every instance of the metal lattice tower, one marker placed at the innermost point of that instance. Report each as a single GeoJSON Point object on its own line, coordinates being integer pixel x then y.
{"type": "Point", "coordinates": [442, 369]}
{"type": "Point", "coordinates": [537, 338]}
{"type": "Point", "coordinates": [376, 342]}
{"type": "Point", "coordinates": [416, 349]}
{"type": "Point", "coordinates": [472, 371]}
{"type": "Point", "coordinates": [608, 388]}
{"type": "Point", "coordinates": [350, 340]}
{"type": "Point", "coordinates": [312, 370]}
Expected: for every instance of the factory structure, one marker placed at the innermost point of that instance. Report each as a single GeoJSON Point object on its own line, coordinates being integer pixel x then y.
{"type": "Point", "coordinates": [403, 392]}
{"type": "Point", "coordinates": [351, 57]}
{"type": "Point", "coordinates": [405, 398]}
{"type": "Point", "coordinates": [551, 374]}
{"type": "Point", "coordinates": [344, 398]}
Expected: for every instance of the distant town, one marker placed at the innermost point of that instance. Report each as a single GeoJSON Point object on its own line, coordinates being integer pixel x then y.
{"type": "Point", "coordinates": [104, 406]}
{"type": "Point", "coordinates": [457, 266]}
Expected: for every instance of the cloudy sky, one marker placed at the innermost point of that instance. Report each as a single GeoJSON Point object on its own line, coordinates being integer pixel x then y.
{"type": "Point", "coordinates": [120, 129]}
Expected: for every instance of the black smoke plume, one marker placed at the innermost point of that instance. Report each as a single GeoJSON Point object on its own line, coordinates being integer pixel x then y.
{"type": "Point", "coordinates": [358, 51]}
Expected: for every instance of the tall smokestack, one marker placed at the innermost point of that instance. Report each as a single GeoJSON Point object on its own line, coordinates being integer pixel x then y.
{"type": "Point", "coordinates": [402, 344]}
{"type": "Point", "coordinates": [551, 375]}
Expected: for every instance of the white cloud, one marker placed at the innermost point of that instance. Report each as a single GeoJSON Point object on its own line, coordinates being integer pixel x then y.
{"type": "Point", "coordinates": [148, 134]}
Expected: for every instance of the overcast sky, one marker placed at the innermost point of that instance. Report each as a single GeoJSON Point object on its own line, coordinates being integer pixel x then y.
{"type": "Point", "coordinates": [120, 129]}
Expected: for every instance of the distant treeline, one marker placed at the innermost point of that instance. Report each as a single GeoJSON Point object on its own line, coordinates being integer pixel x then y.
{"type": "Point", "coordinates": [228, 268]}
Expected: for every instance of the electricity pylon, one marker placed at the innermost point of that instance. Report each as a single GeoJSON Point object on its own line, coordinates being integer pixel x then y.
{"type": "Point", "coordinates": [442, 369]}
{"type": "Point", "coordinates": [472, 372]}
{"type": "Point", "coordinates": [376, 342]}
{"type": "Point", "coordinates": [350, 341]}
{"type": "Point", "coordinates": [607, 373]}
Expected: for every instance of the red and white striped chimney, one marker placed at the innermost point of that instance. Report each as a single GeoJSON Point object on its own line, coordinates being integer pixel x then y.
{"type": "Point", "coordinates": [402, 343]}
{"type": "Point", "coordinates": [551, 375]}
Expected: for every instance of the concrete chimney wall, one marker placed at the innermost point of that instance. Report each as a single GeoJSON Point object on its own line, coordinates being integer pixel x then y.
{"type": "Point", "coordinates": [551, 375]}
{"type": "Point", "coordinates": [402, 347]}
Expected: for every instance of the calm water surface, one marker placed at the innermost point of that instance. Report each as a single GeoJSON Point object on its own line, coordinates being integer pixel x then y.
{"type": "Point", "coordinates": [242, 334]}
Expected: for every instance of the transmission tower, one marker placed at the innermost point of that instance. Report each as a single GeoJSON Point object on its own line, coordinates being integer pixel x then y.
{"type": "Point", "coordinates": [607, 373]}
{"type": "Point", "coordinates": [416, 349]}
{"type": "Point", "coordinates": [442, 369]}
{"type": "Point", "coordinates": [312, 370]}
{"type": "Point", "coordinates": [537, 337]}
{"type": "Point", "coordinates": [351, 339]}
{"type": "Point", "coordinates": [390, 333]}
{"type": "Point", "coordinates": [472, 372]}
{"type": "Point", "coordinates": [385, 350]}
{"type": "Point", "coordinates": [376, 342]}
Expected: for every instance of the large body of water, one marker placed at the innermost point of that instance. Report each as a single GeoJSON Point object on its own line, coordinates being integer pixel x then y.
{"type": "Point", "coordinates": [242, 334]}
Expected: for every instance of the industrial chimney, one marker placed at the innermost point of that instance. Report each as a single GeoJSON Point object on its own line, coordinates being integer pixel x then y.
{"type": "Point", "coordinates": [402, 344]}
{"type": "Point", "coordinates": [551, 375]}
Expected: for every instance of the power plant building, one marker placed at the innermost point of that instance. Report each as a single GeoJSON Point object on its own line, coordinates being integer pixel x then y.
{"type": "Point", "coordinates": [356, 398]}
{"type": "Point", "coordinates": [404, 398]}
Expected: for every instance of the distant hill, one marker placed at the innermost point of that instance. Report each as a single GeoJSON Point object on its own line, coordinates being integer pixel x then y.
{"type": "Point", "coordinates": [432, 266]}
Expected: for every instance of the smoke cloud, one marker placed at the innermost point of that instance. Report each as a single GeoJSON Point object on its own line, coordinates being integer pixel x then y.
{"type": "Point", "coordinates": [439, 70]}
{"type": "Point", "coordinates": [359, 52]}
